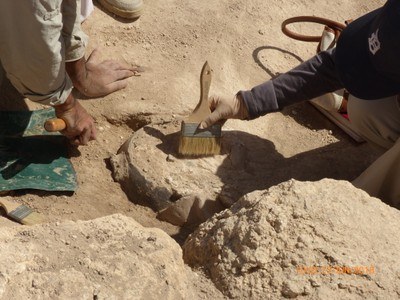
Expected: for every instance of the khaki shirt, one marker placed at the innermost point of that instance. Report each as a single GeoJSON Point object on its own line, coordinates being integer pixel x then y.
{"type": "Point", "coordinates": [37, 37]}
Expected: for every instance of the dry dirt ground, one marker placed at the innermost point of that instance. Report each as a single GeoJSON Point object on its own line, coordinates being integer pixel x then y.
{"type": "Point", "coordinates": [244, 45]}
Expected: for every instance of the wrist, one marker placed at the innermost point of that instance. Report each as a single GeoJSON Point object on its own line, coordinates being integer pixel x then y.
{"type": "Point", "coordinates": [243, 112]}
{"type": "Point", "coordinates": [68, 105]}
{"type": "Point", "coordinates": [77, 72]}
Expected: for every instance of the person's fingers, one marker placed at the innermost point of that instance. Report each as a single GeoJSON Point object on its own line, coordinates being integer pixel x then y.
{"type": "Point", "coordinates": [116, 65]}
{"type": "Point", "coordinates": [85, 135]}
{"type": "Point", "coordinates": [116, 86]}
{"type": "Point", "coordinates": [122, 74]}
{"type": "Point", "coordinates": [138, 69]}
{"type": "Point", "coordinates": [93, 133]}
{"type": "Point", "coordinates": [124, 66]}
{"type": "Point", "coordinates": [88, 134]}
{"type": "Point", "coordinates": [219, 112]}
{"type": "Point", "coordinates": [213, 102]}
{"type": "Point", "coordinates": [75, 141]}
{"type": "Point", "coordinates": [70, 132]}
{"type": "Point", "coordinates": [211, 119]}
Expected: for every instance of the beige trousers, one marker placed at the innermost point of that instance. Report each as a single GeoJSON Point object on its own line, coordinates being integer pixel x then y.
{"type": "Point", "coordinates": [37, 38]}
{"type": "Point", "coordinates": [378, 121]}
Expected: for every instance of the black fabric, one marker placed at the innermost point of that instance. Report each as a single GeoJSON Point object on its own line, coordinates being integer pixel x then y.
{"type": "Point", "coordinates": [367, 53]}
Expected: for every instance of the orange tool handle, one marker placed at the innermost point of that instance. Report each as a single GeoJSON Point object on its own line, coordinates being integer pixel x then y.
{"type": "Point", "coordinates": [53, 125]}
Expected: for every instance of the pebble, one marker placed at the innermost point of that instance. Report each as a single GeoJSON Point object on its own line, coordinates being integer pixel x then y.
{"type": "Point", "coordinates": [170, 158]}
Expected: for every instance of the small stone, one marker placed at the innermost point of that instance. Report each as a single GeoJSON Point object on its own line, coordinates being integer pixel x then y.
{"type": "Point", "coordinates": [299, 245]}
{"type": "Point", "coordinates": [314, 283]}
{"type": "Point", "coordinates": [342, 286]}
{"type": "Point", "coordinates": [289, 290]}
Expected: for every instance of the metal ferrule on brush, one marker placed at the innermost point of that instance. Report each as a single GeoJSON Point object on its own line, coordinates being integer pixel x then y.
{"type": "Point", "coordinates": [192, 130]}
{"type": "Point", "coordinates": [20, 213]}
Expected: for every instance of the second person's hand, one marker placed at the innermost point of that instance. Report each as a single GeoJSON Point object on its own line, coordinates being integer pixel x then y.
{"type": "Point", "coordinates": [224, 108]}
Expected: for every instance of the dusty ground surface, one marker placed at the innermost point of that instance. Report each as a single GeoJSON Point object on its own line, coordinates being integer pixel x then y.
{"type": "Point", "coordinates": [113, 257]}
{"type": "Point", "coordinates": [243, 43]}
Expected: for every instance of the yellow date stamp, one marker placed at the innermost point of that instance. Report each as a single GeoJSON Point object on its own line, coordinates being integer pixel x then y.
{"type": "Point", "coordinates": [340, 270]}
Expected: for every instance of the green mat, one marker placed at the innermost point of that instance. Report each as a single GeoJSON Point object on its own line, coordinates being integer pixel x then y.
{"type": "Point", "coordinates": [30, 157]}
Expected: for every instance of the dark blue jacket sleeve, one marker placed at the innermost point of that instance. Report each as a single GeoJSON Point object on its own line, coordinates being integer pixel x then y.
{"type": "Point", "coordinates": [313, 78]}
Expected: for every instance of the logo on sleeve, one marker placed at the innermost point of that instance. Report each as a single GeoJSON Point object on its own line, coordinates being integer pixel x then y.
{"type": "Point", "coordinates": [374, 43]}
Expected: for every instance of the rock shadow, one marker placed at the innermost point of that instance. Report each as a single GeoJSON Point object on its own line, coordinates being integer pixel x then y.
{"type": "Point", "coordinates": [169, 142]}
{"type": "Point", "coordinates": [253, 163]}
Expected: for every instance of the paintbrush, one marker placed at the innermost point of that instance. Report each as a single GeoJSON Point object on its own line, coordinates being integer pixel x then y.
{"type": "Point", "coordinates": [21, 213]}
{"type": "Point", "coordinates": [200, 142]}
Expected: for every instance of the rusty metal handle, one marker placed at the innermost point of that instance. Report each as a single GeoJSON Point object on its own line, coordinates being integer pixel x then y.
{"type": "Point", "coordinates": [336, 26]}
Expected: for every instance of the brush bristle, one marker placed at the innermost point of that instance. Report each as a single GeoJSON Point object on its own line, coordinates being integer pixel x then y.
{"type": "Point", "coordinates": [197, 146]}
{"type": "Point", "coordinates": [195, 142]}
{"type": "Point", "coordinates": [32, 219]}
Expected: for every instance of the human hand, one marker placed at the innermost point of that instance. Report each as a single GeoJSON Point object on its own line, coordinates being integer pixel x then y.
{"type": "Point", "coordinates": [95, 79]}
{"type": "Point", "coordinates": [80, 127]}
{"type": "Point", "coordinates": [225, 108]}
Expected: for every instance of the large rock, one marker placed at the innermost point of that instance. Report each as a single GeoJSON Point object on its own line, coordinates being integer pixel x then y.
{"type": "Point", "coordinates": [191, 190]}
{"type": "Point", "coordinates": [322, 240]}
{"type": "Point", "coordinates": [151, 172]}
{"type": "Point", "coordinates": [108, 258]}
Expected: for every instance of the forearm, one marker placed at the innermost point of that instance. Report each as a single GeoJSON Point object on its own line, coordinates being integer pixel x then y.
{"type": "Point", "coordinates": [310, 79]}
{"type": "Point", "coordinates": [75, 39]}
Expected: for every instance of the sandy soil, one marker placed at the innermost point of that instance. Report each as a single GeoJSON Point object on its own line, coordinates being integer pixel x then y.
{"type": "Point", "coordinates": [243, 43]}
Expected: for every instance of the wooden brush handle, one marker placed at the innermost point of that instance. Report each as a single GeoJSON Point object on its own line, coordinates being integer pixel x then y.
{"type": "Point", "coordinates": [8, 205]}
{"type": "Point", "coordinates": [205, 83]}
{"type": "Point", "coordinates": [53, 125]}
{"type": "Point", "coordinates": [202, 109]}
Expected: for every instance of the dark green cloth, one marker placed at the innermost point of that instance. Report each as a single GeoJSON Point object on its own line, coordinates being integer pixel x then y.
{"type": "Point", "coordinates": [30, 157]}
